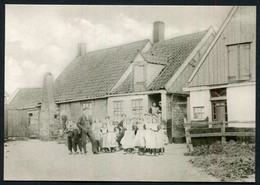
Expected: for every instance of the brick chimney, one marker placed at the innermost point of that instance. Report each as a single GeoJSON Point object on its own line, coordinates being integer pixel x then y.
{"type": "Point", "coordinates": [82, 49]}
{"type": "Point", "coordinates": [158, 31]}
{"type": "Point", "coordinates": [48, 108]}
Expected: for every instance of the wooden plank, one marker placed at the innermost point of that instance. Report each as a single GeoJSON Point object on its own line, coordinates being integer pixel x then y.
{"type": "Point", "coordinates": [188, 138]}
{"type": "Point", "coordinates": [219, 134]}
{"type": "Point", "coordinates": [180, 103]}
{"type": "Point", "coordinates": [239, 134]}
{"type": "Point", "coordinates": [205, 135]}
{"type": "Point", "coordinates": [218, 123]}
{"type": "Point", "coordinates": [246, 122]}
{"type": "Point", "coordinates": [223, 130]}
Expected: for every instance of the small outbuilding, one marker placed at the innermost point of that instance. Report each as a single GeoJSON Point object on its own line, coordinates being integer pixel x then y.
{"type": "Point", "coordinates": [23, 113]}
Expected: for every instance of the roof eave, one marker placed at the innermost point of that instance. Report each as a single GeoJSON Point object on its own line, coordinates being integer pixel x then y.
{"type": "Point", "coordinates": [190, 57]}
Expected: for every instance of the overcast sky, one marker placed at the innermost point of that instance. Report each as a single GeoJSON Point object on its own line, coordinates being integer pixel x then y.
{"type": "Point", "coordinates": [42, 39]}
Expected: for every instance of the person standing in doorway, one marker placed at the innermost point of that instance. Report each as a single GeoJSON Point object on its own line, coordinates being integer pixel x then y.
{"type": "Point", "coordinates": [84, 123]}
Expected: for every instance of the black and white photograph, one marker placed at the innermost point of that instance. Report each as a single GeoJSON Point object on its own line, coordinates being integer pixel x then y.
{"type": "Point", "coordinates": [129, 93]}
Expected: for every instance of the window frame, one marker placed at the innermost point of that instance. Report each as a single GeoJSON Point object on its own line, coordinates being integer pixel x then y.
{"type": "Point", "coordinates": [137, 110]}
{"type": "Point", "coordinates": [202, 113]}
{"type": "Point", "coordinates": [87, 104]}
{"type": "Point", "coordinates": [121, 109]}
{"type": "Point", "coordinates": [143, 83]}
{"type": "Point", "coordinates": [239, 77]}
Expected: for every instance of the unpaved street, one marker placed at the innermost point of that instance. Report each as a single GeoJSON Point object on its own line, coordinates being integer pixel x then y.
{"type": "Point", "coordinates": [38, 160]}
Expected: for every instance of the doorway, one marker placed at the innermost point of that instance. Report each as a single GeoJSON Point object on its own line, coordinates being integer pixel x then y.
{"type": "Point", "coordinates": [219, 110]}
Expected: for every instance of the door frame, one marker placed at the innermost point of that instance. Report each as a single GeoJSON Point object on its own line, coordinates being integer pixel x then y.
{"type": "Point", "coordinates": [214, 106]}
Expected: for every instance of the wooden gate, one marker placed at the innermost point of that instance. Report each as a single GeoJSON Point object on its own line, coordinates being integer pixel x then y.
{"type": "Point", "coordinates": [17, 123]}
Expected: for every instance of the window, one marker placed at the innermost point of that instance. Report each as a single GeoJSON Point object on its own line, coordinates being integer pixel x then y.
{"type": "Point", "coordinates": [239, 62]}
{"type": "Point", "coordinates": [87, 105]}
{"type": "Point", "coordinates": [137, 108]}
{"type": "Point", "coordinates": [30, 114]}
{"type": "Point", "coordinates": [55, 116]}
{"type": "Point", "coordinates": [218, 92]}
{"type": "Point", "coordinates": [118, 109]}
{"type": "Point", "coordinates": [139, 78]}
{"type": "Point", "coordinates": [198, 112]}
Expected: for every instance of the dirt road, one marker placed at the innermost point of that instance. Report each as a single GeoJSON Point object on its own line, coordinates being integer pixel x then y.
{"type": "Point", "coordinates": [39, 160]}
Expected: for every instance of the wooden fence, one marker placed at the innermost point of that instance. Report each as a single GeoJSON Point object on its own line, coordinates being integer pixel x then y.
{"type": "Point", "coordinates": [222, 125]}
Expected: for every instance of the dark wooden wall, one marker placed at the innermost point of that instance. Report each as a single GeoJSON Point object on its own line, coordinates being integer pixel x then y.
{"type": "Point", "coordinates": [17, 123]}
{"type": "Point", "coordinates": [74, 109]}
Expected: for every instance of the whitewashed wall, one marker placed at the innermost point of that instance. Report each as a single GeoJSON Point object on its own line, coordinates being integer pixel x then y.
{"type": "Point", "coordinates": [241, 104]}
{"type": "Point", "coordinates": [127, 104]}
{"type": "Point", "coordinates": [200, 98]}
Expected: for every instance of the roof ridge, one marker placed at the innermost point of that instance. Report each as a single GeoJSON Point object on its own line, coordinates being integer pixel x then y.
{"type": "Point", "coordinates": [186, 35]}
{"type": "Point", "coordinates": [118, 46]}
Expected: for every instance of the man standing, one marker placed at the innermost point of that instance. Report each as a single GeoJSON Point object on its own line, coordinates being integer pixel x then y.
{"type": "Point", "coordinates": [84, 123]}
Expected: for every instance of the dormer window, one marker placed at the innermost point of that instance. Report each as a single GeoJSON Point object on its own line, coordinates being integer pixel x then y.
{"type": "Point", "coordinates": [139, 77]}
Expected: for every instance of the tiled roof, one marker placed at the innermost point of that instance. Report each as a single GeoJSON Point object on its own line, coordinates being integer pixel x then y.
{"type": "Point", "coordinates": [94, 75]}
{"type": "Point", "coordinates": [150, 58]}
{"type": "Point", "coordinates": [26, 97]}
{"type": "Point", "coordinates": [125, 87]}
{"type": "Point", "coordinates": [176, 50]}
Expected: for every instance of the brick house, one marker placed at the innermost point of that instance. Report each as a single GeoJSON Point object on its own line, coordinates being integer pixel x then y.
{"type": "Point", "coordinates": [128, 78]}
{"type": "Point", "coordinates": [222, 86]}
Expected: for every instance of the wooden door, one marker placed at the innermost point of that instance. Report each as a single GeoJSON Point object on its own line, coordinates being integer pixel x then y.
{"type": "Point", "coordinates": [219, 110]}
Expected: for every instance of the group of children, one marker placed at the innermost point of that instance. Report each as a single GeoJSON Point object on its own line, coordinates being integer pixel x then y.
{"type": "Point", "coordinates": [147, 135]}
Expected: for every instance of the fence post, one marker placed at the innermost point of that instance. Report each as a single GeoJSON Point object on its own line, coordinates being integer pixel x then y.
{"type": "Point", "coordinates": [187, 135]}
{"type": "Point", "coordinates": [223, 130]}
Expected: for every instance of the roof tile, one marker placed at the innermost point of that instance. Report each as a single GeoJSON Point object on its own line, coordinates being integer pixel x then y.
{"type": "Point", "coordinates": [26, 97]}
{"type": "Point", "coordinates": [94, 75]}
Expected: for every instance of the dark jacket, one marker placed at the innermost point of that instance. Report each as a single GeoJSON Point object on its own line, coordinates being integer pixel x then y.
{"type": "Point", "coordinates": [84, 123]}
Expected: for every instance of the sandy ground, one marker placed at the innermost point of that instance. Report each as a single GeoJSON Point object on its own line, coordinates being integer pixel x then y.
{"type": "Point", "coordinates": [39, 160]}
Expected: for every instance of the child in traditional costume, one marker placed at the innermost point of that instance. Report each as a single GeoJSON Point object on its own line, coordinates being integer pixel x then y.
{"type": "Point", "coordinates": [96, 127]}
{"type": "Point", "coordinates": [104, 137]}
{"type": "Point", "coordinates": [128, 139]}
{"type": "Point", "coordinates": [151, 136]}
{"type": "Point", "coordinates": [140, 136]}
{"type": "Point", "coordinates": [111, 135]}
{"type": "Point", "coordinates": [160, 139]}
